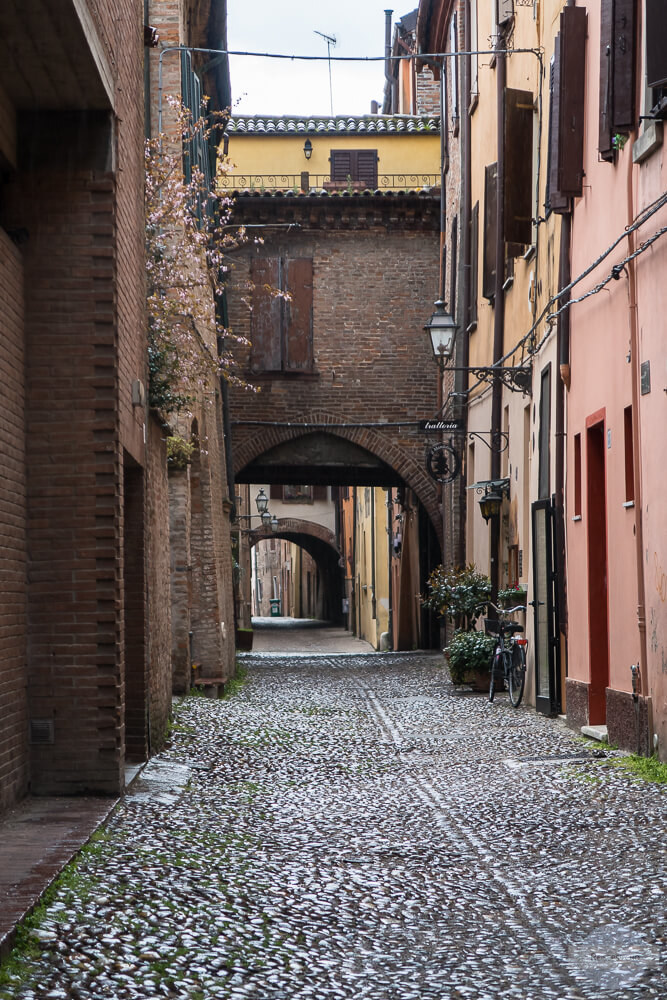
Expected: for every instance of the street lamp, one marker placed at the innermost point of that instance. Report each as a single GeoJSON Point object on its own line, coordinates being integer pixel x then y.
{"type": "Point", "coordinates": [274, 523]}
{"type": "Point", "coordinates": [442, 329]}
{"type": "Point", "coordinates": [262, 501]}
{"type": "Point", "coordinates": [266, 519]}
{"type": "Point", "coordinates": [492, 498]}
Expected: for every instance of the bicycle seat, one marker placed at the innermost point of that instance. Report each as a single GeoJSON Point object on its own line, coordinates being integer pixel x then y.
{"type": "Point", "coordinates": [511, 627]}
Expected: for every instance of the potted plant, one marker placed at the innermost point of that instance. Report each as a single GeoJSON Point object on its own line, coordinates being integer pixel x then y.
{"type": "Point", "coordinates": [510, 597]}
{"type": "Point", "coordinates": [461, 595]}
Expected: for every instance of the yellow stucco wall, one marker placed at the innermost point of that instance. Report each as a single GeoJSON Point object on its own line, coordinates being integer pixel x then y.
{"type": "Point", "coordinates": [262, 155]}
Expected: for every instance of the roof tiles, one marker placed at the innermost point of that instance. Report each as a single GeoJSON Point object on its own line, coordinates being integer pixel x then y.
{"type": "Point", "coordinates": [336, 125]}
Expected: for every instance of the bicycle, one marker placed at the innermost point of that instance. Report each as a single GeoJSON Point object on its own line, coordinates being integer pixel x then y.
{"type": "Point", "coordinates": [509, 654]}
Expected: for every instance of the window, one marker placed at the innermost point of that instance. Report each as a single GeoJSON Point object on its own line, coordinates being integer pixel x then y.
{"type": "Point", "coordinates": [490, 230]}
{"type": "Point", "coordinates": [577, 475]}
{"type": "Point", "coordinates": [544, 454]}
{"type": "Point", "coordinates": [281, 330]}
{"type": "Point", "coordinates": [518, 184]}
{"type": "Point", "coordinates": [298, 494]}
{"type": "Point", "coordinates": [656, 56]}
{"type": "Point", "coordinates": [629, 456]}
{"type": "Point", "coordinates": [357, 166]}
{"type": "Point", "coordinates": [617, 71]}
{"type": "Point", "coordinates": [196, 150]}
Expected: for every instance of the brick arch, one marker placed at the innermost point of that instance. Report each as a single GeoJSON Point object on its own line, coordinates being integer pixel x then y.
{"type": "Point", "coordinates": [379, 443]}
{"type": "Point", "coordinates": [289, 526]}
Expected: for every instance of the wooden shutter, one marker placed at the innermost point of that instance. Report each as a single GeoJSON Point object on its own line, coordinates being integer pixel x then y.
{"type": "Point", "coordinates": [452, 265]}
{"type": "Point", "coordinates": [266, 353]}
{"type": "Point", "coordinates": [624, 64]}
{"type": "Point", "coordinates": [572, 68]}
{"type": "Point", "coordinates": [355, 165]}
{"type": "Point", "coordinates": [299, 314]}
{"type": "Point", "coordinates": [341, 165]}
{"type": "Point", "coordinates": [474, 262]}
{"type": "Point", "coordinates": [656, 43]}
{"type": "Point", "coordinates": [555, 201]}
{"type": "Point", "coordinates": [320, 493]}
{"type": "Point", "coordinates": [617, 71]}
{"type": "Point", "coordinates": [518, 150]}
{"type": "Point", "coordinates": [490, 228]}
{"type": "Point", "coordinates": [605, 146]}
{"type": "Point", "coordinates": [275, 491]}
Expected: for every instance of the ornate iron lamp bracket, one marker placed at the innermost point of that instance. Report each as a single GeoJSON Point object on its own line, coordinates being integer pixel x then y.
{"type": "Point", "coordinates": [499, 439]}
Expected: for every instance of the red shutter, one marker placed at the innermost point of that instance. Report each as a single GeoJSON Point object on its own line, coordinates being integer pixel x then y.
{"type": "Point", "coordinates": [490, 228]}
{"type": "Point", "coordinates": [570, 167]}
{"type": "Point", "coordinates": [518, 149]}
{"type": "Point", "coordinates": [606, 80]}
{"type": "Point", "coordinates": [266, 315]}
{"type": "Point", "coordinates": [656, 43]}
{"type": "Point", "coordinates": [299, 314]}
{"type": "Point", "coordinates": [623, 118]}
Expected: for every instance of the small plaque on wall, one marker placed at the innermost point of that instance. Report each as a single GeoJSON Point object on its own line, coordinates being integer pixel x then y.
{"type": "Point", "coordinates": [645, 377]}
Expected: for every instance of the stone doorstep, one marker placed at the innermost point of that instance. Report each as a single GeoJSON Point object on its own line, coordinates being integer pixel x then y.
{"type": "Point", "coordinates": [599, 733]}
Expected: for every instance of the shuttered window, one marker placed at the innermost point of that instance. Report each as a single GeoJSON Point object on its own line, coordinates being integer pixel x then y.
{"type": "Point", "coordinates": [490, 229]}
{"type": "Point", "coordinates": [355, 165]}
{"type": "Point", "coordinates": [474, 265]}
{"type": "Point", "coordinates": [518, 150]}
{"type": "Point", "coordinates": [565, 174]}
{"type": "Point", "coordinates": [282, 331]}
{"type": "Point", "coordinates": [656, 55]}
{"type": "Point", "coordinates": [617, 71]}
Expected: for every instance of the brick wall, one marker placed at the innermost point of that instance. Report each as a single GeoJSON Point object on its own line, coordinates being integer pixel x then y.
{"type": "Point", "coordinates": [13, 703]}
{"type": "Point", "coordinates": [181, 584]}
{"type": "Point", "coordinates": [373, 289]}
{"type": "Point", "coordinates": [159, 605]}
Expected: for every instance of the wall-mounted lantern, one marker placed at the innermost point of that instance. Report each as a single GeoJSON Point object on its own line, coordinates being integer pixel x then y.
{"type": "Point", "coordinates": [442, 328]}
{"type": "Point", "coordinates": [491, 499]}
{"type": "Point", "coordinates": [262, 501]}
{"type": "Point", "coordinates": [308, 149]}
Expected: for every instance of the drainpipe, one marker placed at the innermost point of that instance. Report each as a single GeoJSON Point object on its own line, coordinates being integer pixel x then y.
{"type": "Point", "coordinates": [374, 613]}
{"type": "Point", "coordinates": [464, 300]}
{"type": "Point", "coordinates": [499, 304]}
{"type": "Point", "coordinates": [390, 540]}
{"type": "Point", "coordinates": [388, 75]}
{"type": "Point", "coordinates": [636, 452]}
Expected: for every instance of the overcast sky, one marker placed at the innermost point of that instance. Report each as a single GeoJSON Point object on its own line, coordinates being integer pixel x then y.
{"type": "Point", "coordinates": [279, 87]}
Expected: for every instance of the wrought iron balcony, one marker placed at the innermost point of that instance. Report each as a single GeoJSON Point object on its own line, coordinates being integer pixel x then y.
{"type": "Point", "coordinates": [313, 184]}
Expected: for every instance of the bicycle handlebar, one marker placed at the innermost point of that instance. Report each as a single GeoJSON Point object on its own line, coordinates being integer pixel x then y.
{"type": "Point", "coordinates": [503, 612]}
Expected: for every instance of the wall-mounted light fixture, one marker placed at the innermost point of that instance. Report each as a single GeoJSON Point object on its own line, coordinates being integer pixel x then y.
{"type": "Point", "coordinates": [491, 493]}
{"type": "Point", "coordinates": [262, 501]}
{"type": "Point", "coordinates": [442, 328]}
{"type": "Point", "coordinates": [308, 149]}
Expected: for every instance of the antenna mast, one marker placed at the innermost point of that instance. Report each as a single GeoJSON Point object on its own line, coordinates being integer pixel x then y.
{"type": "Point", "coordinates": [330, 40]}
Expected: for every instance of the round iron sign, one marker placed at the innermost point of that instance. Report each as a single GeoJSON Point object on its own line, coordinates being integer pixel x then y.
{"type": "Point", "coordinates": [443, 463]}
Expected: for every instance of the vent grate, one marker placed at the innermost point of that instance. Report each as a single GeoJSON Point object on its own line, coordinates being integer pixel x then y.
{"type": "Point", "coordinates": [41, 731]}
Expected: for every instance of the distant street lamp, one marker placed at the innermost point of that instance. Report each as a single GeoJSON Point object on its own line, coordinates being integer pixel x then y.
{"type": "Point", "coordinates": [274, 523]}
{"type": "Point", "coordinates": [262, 501]}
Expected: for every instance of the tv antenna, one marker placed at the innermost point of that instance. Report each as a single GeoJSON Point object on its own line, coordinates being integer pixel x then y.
{"type": "Point", "coordinates": [330, 40]}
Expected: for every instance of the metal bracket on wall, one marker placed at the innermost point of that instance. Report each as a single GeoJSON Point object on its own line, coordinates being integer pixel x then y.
{"type": "Point", "coordinates": [500, 439]}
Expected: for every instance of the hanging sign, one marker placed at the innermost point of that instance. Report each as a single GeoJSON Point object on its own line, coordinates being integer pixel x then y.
{"type": "Point", "coordinates": [440, 425]}
{"type": "Point", "coordinates": [443, 463]}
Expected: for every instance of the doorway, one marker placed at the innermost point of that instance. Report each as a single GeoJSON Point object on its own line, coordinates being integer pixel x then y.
{"type": "Point", "coordinates": [596, 535]}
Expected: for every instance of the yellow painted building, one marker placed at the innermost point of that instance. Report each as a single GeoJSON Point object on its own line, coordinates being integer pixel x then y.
{"type": "Point", "coordinates": [342, 154]}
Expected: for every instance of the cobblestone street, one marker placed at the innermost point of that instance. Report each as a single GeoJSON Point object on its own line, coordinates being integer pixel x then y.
{"type": "Point", "coordinates": [352, 827]}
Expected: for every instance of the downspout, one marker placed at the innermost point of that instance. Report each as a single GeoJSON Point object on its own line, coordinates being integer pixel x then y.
{"type": "Point", "coordinates": [465, 304]}
{"type": "Point", "coordinates": [390, 538]}
{"type": "Point", "coordinates": [353, 595]}
{"type": "Point", "coordinates": [388, 75]}
{"type": "Point", "coordinates": [499, 304]}
{"type": "Point", "coordinates": [636, 451]}
{"type": "Point", "coordinates": [374, 614]}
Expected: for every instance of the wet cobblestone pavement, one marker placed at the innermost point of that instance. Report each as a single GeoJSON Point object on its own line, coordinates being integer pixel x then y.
{"type": "Point", "coordinates": [351, 827]}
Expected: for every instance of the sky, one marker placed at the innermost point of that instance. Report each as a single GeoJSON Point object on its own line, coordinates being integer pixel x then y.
{"type": "Point", "coordinates": [282, 87]}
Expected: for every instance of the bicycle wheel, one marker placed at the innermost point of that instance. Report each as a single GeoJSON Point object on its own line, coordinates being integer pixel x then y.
{"type": "Point", "coordinates": [492, 682]}
{"type": "Point", "coordinates": [517, 674]}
